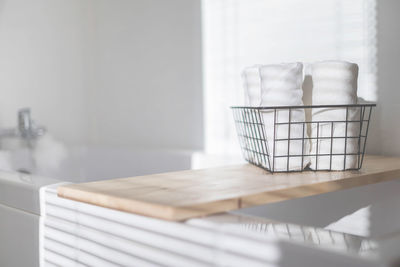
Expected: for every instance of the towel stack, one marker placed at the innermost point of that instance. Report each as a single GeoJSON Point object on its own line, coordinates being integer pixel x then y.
{"type": "Point", "coordinates": [335, 132]}
{"type": "Point", "coordinates": [334, 83]}
{"type": "Point", "coordinates": [280, 85]}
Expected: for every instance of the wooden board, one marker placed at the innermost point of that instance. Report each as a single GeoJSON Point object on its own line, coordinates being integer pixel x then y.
{"type": "Point", "coordinates": [187, 194]}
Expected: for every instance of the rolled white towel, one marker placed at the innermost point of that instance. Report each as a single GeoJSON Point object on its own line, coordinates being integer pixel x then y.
{"type": "Point", "coordinates": [334, 83]}
{"type": "Point", "coordinates": [276, 85]}
{"type": "Point", "coordinates": [252, 85]}
{"type": "Point", "coordinates": [281, 86]}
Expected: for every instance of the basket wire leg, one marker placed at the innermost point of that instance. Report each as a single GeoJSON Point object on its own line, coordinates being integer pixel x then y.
{"type": "Point", "coordinates": [366, 134]}
{"type": "Point", "coordinates": [257, 137]}
{"type": "Point", "coordinates": [302, 147]}
{"type": "Point", "coordinates": [362, 112]}
{"type": "Point", "coordinates": [254, 137]}
{"type": "Point", "coordinates": [345, 138]}
{"type": "Point", "coordinates": [265, 142]}
{"type": "Point", "coordinates": [330, 154]}
{"type": "Point", "coordinates": [317, 151]}
{"type": "Point", "coordinates": [243, 125]}
{"type": "Point", "coordinates": [248, 137]}
{"type": "Point", "coordinates": [288, 141]}
{"type": "Point", "coordinates": [274, 143]}
{"type": "Point", "coordinates": [262, 137]}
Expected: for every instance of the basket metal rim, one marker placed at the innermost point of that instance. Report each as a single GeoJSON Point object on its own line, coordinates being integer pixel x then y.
{"type": "Point", "coordinates": [306, 106]}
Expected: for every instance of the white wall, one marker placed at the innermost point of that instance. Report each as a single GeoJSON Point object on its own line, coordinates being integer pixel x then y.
{"type": "Point", "coordinates": [104, 72]}
{"type": "Point", "coordinates": [147, 74]}
{"type": "Point", "coordinates": [41, 65]}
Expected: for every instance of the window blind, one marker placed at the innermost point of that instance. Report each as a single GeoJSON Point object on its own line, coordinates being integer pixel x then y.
{"type": "Point", "coordinates": [238, 33]}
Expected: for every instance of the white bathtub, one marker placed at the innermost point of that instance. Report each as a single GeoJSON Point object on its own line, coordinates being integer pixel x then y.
{"type": "Point", "coordinates": [19, 192]}
{"type": "Point", "coordinates": [98, 163]}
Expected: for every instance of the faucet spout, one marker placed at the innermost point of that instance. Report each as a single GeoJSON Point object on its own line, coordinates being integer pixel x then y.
{"type": "Point", "coordinates": [26, 129]}
{"type": "Point", "coordinates": [24, 122]}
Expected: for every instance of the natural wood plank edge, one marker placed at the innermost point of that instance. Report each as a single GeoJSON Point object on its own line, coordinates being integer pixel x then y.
{"type": "Point", "coordinates": [182, 195]}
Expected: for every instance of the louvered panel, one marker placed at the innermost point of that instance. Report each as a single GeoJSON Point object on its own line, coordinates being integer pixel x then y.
{"type": "Point", "coordinates": [86, 233]}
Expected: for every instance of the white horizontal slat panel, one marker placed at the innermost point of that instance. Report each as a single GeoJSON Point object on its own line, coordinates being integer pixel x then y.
{"type": "Point", "coordinates": [246, 245]}
{"type": "Point", "coordinates": [168, 243]}
{"type": "Point", "coordinates": [205, 255]}
{"type": "Point", "coordinates": [55, 259]}
{"type": "Point", "coordinates": [111, 248]}
{"type": "Point", "coordinates": [76, 255]}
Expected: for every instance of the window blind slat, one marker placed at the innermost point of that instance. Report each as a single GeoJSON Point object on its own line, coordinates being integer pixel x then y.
{"type": "Point", "coordinates": [238, 33]}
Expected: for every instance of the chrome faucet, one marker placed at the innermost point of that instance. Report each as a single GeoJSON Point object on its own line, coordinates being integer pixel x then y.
{"type": "Point", "coordinates": [27, 129]}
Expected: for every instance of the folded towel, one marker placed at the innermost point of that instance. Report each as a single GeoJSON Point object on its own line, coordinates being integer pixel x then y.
{"type": "Point", "coordinates": [252, 85]}
{"type": "Point", "coordinates": [281, 86]}
{"type": "Point", "coordinates": [334, 83]}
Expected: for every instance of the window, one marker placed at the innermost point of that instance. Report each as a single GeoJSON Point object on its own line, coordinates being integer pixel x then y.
{"type": "Point", "coordinates": [238, 33]}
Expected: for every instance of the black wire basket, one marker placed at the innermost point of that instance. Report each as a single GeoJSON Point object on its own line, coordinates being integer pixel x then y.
{"type": "Point", "coordinates": [298, 138]}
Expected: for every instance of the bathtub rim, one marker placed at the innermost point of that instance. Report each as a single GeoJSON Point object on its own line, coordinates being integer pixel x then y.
{"type": "Point", "coordinates": [22, 191]}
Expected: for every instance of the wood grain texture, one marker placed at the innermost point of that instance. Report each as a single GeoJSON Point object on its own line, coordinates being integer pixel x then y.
{"type": "Point", "coordinates": [187, 194]}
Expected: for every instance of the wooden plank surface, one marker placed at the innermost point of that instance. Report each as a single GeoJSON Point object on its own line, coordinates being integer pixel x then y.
{"type": "Point", "coordinates": [194, 193]}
